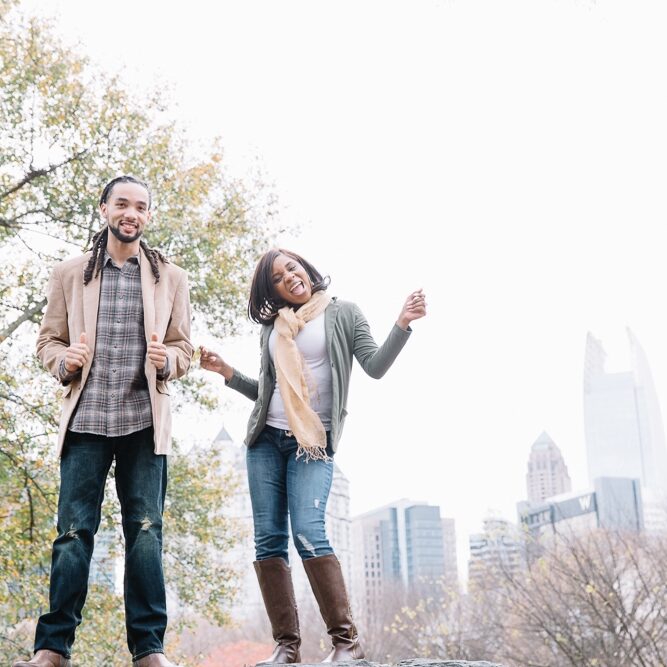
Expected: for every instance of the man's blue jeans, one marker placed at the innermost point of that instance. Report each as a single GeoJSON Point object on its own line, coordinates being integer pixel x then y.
{"type": "Point", "coordinates": [141, 482]}
{"type": "Point", "coordinates": [280, 485]}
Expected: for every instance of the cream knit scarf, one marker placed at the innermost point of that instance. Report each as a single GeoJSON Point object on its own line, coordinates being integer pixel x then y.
{"type": "Point", "coordinates": [303, 421]}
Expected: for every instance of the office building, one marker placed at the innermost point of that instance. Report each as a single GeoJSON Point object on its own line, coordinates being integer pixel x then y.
{"type": "Point", "coordinates": [547, 473]}
{"type": "Point", "coordinates": [495, 552]}
{"type": "Point", "coordinates": [624, 429]}
{"type": "Point", "coordinates": [615, 503]}
{"type": "Point", "coordinates": [401, 547]}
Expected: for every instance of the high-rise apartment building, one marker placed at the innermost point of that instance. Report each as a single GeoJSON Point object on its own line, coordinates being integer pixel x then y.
{"type": "Point", "coordinates": [547, 473]}
{"type": "Point", "coordinates": [496, 550]}
{"type": "Point", "coordinates": [401, 546]}
{"type": "Point", "coordinates": [624, 430]}
{"type": "Point", "coordinates": [241, 557]}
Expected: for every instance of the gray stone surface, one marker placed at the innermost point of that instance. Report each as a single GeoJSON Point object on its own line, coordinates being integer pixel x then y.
{"type": "Point", "coordinates": [415, 662]}
{"type": "Point", "coordinates": [421, 662]}
{"type": "Point", "coordinates": [351, 663]}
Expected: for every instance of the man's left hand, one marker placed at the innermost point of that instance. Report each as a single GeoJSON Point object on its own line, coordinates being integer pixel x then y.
{"type": "Point", "coordinates": [157, 352]}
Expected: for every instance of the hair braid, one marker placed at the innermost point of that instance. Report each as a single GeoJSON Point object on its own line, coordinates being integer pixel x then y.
{"type": "Point", "coordinates": [153, 255]}
{"type": "Point", "coordinates": [99, 245]}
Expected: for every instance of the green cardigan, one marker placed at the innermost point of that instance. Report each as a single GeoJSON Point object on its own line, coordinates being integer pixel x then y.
{"type": "Point", "coordinates": [347, 335]}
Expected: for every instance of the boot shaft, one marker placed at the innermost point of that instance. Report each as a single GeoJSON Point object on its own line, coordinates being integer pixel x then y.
{"type": "Point", "coordinates": [326, 579]}
{"type": "Point", "coordinates": [275, 583]}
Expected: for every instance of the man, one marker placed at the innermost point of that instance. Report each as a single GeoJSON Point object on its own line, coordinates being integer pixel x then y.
{"type": "Point", "coordinates": [115, 331]}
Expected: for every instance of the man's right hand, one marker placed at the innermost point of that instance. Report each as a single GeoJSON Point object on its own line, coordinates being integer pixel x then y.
{"type": "Point", "coordinates": [77, 355]}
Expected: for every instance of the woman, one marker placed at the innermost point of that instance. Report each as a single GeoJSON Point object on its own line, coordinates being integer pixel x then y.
{"type": "Point", "coordinates": [307, 344]}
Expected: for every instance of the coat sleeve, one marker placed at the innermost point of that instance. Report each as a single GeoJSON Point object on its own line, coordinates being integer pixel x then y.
{"type": "Point", "coordinates": [245, 385]}
{"type": "Point", "coordinates": [53, 338]}
{"type": "Point", "coordinates": [250, 387]}
{"type": "Point", "coordinates": [375, 360]}
{"type": "Point", "coordinates": [177, 336]}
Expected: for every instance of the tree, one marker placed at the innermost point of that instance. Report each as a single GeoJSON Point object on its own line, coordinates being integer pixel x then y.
{"type": "Point", "coordinates": [595, 599]}
{"type": "Point", "coordinates": [66, 128]}
{"type": "Point", "coordinates": [442, 623]}
{"type": "Point", "coordinates": [591, 599]}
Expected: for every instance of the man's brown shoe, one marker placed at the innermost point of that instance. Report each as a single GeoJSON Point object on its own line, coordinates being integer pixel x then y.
{"type": "Point", "coordinates": [154, 660]}
{"type": "Point", "coordinates": [45, 658]}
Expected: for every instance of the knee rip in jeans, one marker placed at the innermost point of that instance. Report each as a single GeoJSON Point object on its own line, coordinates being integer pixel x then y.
{"type": "Point", "coordinates": [146, 523]}
{"type": "Point", "coordinates": [72, 532]}
{"type": "Point", "coordinates": [306, 543]}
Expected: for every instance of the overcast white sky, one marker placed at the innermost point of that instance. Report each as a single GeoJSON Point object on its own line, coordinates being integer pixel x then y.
{"type": "Point", "coordinates": [508, 156]}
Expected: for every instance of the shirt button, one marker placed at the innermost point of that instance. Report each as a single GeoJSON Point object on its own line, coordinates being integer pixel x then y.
{"type": "Point", "coordinates": [118, 320]}
{"type": "Point", "coordinates": [113, 395]}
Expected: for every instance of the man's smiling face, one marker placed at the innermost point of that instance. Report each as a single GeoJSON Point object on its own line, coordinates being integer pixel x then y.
{"type": "Point", "coordinates": [127, 211]}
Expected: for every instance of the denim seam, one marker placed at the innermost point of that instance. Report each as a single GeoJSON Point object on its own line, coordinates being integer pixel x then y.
{"type": "Point", "coordinates": [149, 651]}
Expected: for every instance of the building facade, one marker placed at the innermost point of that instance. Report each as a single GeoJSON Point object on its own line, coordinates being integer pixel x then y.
{"type": "Point", "coordinates": [401, 547]}
{"type": "Point", "coordinates": [614, 504]}
{"type": "Point", "coordinates": [547, 473]}
{"type": "Point", "coordinates": [624, 430]}
{"type": "Point", "coordinates": [496, 551]}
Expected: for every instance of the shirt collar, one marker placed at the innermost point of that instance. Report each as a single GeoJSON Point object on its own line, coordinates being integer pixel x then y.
{"type": "Point", "coordinates": [107, 258]}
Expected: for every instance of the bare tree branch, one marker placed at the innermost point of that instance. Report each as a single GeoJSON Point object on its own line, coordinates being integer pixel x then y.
{"type": "Point", "coordinates": [28, 315]}
{"type": "Point", "coordinates": [38, 173]}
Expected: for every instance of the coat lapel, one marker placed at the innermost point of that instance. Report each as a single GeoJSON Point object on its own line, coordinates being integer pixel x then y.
{"type": "Point", "coordinates": [264, 343]}
{"type": "Point", "coordinates": [147, 295]}
{"type": "Point", "coordinates": [91, 302]}
{"type": "Point", "coordinates": [329, 322]}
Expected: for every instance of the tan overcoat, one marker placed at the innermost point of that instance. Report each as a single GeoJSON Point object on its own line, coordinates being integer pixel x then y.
{"type": "Point", "coordinates": [72, 310]}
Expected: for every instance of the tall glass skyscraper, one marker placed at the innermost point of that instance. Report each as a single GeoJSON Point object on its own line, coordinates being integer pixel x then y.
{"type": "Point", "coordinates": [624, 431]}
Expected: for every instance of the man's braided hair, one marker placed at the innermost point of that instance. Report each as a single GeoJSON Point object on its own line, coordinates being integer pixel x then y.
{"type": "Point", "coordinates": [99, 241]}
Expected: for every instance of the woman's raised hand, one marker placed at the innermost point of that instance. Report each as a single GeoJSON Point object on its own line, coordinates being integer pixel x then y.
{"type": "Point", "coordinates": [413, 308]}
{"type": "Point", "coordinates": [212, 361]}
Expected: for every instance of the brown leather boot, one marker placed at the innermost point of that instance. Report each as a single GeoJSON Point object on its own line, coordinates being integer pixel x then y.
{"type": "Point", "coordinates": [154, 660]}
{"type": "Point", "coordinates": [326, 580]}
{"type": "Point", "coordinates": [45, 658]}
{"type": "Point", "coordinates": [275, 582]}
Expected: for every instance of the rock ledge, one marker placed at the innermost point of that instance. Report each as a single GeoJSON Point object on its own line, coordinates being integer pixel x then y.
{"type": "Point", "coordinates": [415, 662]}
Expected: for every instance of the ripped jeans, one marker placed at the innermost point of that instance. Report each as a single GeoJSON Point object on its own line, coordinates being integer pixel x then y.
{"type": "Point", "coordinates": [141, 481]}
{"type": "Point", "coordinates": [283, 487]}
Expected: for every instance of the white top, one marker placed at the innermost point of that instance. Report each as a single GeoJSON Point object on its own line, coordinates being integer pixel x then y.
{"type": "Point", "coordinates": [311, 342]}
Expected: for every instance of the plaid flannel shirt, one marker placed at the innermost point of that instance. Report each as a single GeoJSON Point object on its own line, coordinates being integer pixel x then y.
{"type": "Point", "coordinates": [115, 400]}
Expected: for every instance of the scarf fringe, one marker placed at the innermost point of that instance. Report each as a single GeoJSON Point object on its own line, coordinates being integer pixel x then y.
{"type": "Point", "coordinates": [312, 453]}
